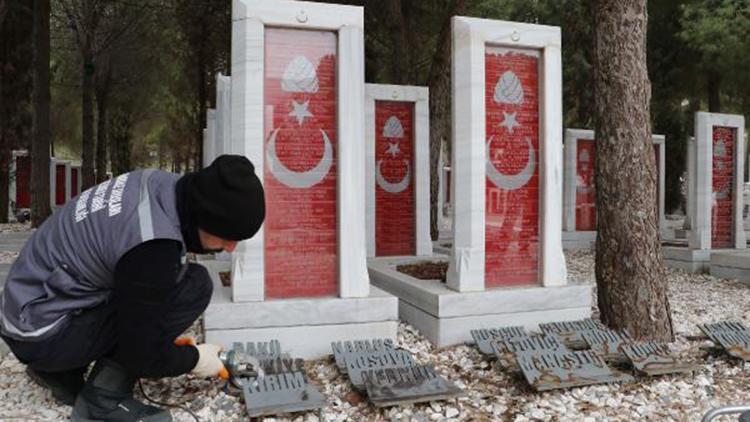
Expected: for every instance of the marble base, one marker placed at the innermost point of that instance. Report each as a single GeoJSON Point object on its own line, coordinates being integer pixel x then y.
{"type": "Point", "coordinates": [731, 263]}
{"type": "Point", "coordinates": [446, 317]}
{"type": "Point", "coordinates": [578, 240]}
{"type": "Point", "coordinates": [305, 327]}
{"type": "Point", "coordinates": [443, 246]}
{"type": "Point", "coordinates": [686, 259]}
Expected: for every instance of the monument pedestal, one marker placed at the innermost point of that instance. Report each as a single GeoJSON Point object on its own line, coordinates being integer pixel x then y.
{"type": "Point", "coordinates": [731, 263]}
{"type": "Point", "coordinates": [686, 259]}
{"type": "Point", "coordinates": [306, 327]}
{"type": "Point", "coordinates": [446, 317]}
{"type": "Point", "coordinates": [575, 240]}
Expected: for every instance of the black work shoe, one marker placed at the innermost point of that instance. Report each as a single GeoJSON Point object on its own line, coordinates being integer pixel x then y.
{"type": "Point", "coordinates": [108, 396]}
{"type": "Point", "coordinates": [64, 385]}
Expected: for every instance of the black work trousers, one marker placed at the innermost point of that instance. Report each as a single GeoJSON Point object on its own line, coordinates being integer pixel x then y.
{"type": "Point", "coordinates": [93, 333]}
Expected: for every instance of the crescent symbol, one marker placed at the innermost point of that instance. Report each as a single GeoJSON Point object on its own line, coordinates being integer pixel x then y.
{"type": "Point", "coordinates": [302, 179]}
{"type": "Point", "coordinates": [504, 181]}
{"type": "Point", "coordinates": [394, 187]}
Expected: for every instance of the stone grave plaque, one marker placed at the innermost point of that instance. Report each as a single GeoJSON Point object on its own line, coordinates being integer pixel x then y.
{"type": "Point", "coordinates": [711, 330]}
{"type": "Point", "coordinates": [537, 343]}
{"type": "Point", "coordinates": [342, 349]}
{"type": "Point", "coordinates": [484, 336]}
{"type": "Point", "coordinates": [606, 342]}
{"type": "Point", "coordinates": [357, 363]}
{"type": "Point", "coordinates": [652, 358]}
{"type": "Point", "coordinates": [281, 393]}
{"type": "Point", "coordinates": [564, 369]}
{"type": "Point", "coordinates": [570, 331]}
{"type": "Point", "coordinates": [736, 343]}
{"type": "Point", "coordinates": [395, 386]}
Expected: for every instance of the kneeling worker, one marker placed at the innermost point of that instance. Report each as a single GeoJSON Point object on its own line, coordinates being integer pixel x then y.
{"type": "Point", "coordinates": [105, 279]}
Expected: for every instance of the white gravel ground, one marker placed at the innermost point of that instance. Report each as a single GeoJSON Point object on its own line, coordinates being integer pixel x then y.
{"type": "Point", "coordinates": [492, 394]}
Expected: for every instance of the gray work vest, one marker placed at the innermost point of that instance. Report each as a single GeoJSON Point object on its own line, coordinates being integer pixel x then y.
{"type": "Point", "coordinates": [68, 264]}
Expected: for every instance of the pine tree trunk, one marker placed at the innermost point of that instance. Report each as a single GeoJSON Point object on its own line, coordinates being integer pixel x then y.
{"type": "Point", "coordinates": [101, 134]}
{"type": "Point", "coordinates": [440, 109]}
{"type": "Point", "coordinates": [714, 91]}
{"type": "Point", "coordinates": [40, 160]}
{"type": "Point", "coordinates": [87, 121]}
{"type": "Point", "coordinates": [630, 275]}
{"type": "Point", "coordinates": [5, 155]}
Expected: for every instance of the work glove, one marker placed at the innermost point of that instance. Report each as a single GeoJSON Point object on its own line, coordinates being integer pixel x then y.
{"type": "Point", "coordinates": [209, 364]}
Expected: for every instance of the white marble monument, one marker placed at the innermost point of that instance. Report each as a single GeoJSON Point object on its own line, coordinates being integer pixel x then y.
{"type": "Point", "coordinates": [59, 182]}
{"type": "Point", "coordinates": [397, 124]}
{"type": "Point", "coordinates": [297, 106]}
{"type": "Point", "coordinates": [507, 265]}
{"type": "Point", "coordinates": [579, 210]}
{"type": "Point", "coordinates": [209, 138]}
{"type": "Point", "coordinates": [19, 183]}
{"type": "Point", "coordinates": [715, 184]}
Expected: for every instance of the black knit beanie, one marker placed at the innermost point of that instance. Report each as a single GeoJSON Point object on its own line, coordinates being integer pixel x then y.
{"type": "Point", "coordinates": [227, 198]}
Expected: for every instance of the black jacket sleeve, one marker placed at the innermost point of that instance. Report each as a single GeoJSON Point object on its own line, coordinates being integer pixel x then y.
{"type": "Point", "coordinates": [145, 279]}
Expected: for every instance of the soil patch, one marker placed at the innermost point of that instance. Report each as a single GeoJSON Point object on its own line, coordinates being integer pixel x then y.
{"type": "Point", "coordinates": [425, 270]}
{"type": "Point", "coordinates": [226, 278]}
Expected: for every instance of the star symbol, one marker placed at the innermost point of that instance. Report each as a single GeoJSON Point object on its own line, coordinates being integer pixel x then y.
{"type": "Point", "coordinates": [510, 121]}
{"type": "Point", "coordinates": [300, 111]}
{"type": "Point", "coordinates": [393, 149]}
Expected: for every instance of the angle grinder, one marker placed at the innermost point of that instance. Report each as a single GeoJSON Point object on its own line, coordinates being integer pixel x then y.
{"type": "Point", "coordinates": [240, 367]}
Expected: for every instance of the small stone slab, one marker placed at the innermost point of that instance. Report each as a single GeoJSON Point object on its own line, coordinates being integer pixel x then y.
{"type": "Point", "coordinates": [484, 336]}
{"type": "Point", "coordinates": [416, 384]}
{"type": "Point", "coordinates": [359, 362]}
{"type": "Point", "coordinates": [711, 330]}
{"type": "Point", "coordinates": [281, 393]}
{"type": "Point", "coordinates": [652, 358]}
{"type": "Point", "coordinates": [342, 349]}
{"type": "Point", "coordinates": [736, 343]}
{"type": "Point", "coordinates": [606, 342]}
{"type": "Point", "coordinates": [537, 343]}
{"type": "Point", "coordinates": [570, 331]}
{"type": "Point", "coordinates": [564, 369]}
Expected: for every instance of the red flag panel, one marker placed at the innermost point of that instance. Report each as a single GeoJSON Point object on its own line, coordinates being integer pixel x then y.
{"type": "Point", "coordinates": [23, 181]}
{"type": "Point", "coordinates": [512, 183]}
{"type": "Point", "coordinates": [722, 189]}
{"type": "Point", "coordinates": [300, 119]}
{"type": "Point", "coordinates": [585, 189]}
{"type": "Point", "coordinates": [394, 174]}
{"type": "Point", "coordinates": [59, 184]}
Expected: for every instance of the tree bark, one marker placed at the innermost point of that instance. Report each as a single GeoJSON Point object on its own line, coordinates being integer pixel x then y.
{"type": "Point", "coordinates": [87, 120]}
{"type": "Point", "coordinates": [40, 160]}
{"type": "Point", "coordinates": [102, 98]}
{"type": "Point", "coordinates": [714, 91]}
{"type": "Point", "coordinates": [630, 275]}
{"type": "Point", "coordinates": [440, 108]}
{"type": "Point", "coordinates": [5, 155]}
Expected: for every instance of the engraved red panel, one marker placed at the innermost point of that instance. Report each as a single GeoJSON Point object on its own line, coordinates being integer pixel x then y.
{"type": "Point", "coordinates": [394, 174]}
{"type": "Point", "coordinates": [585, 190]}
{"type": "Point", "coordinates": [723, 181]}
{"type": "Point", "coordinates": [300, 120]}
{"type": "Point", "coordinates": [59, 184]}
{"type": "Point", "coordinates": [74, 182]}
{"type": "Point", "coordinates": [512, 183]}
{"type": "Point", "coordinates": [23, 181]}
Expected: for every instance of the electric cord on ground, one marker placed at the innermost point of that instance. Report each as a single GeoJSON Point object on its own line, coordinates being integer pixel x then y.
{"type": "Point", "coordinates": [176, 406]}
